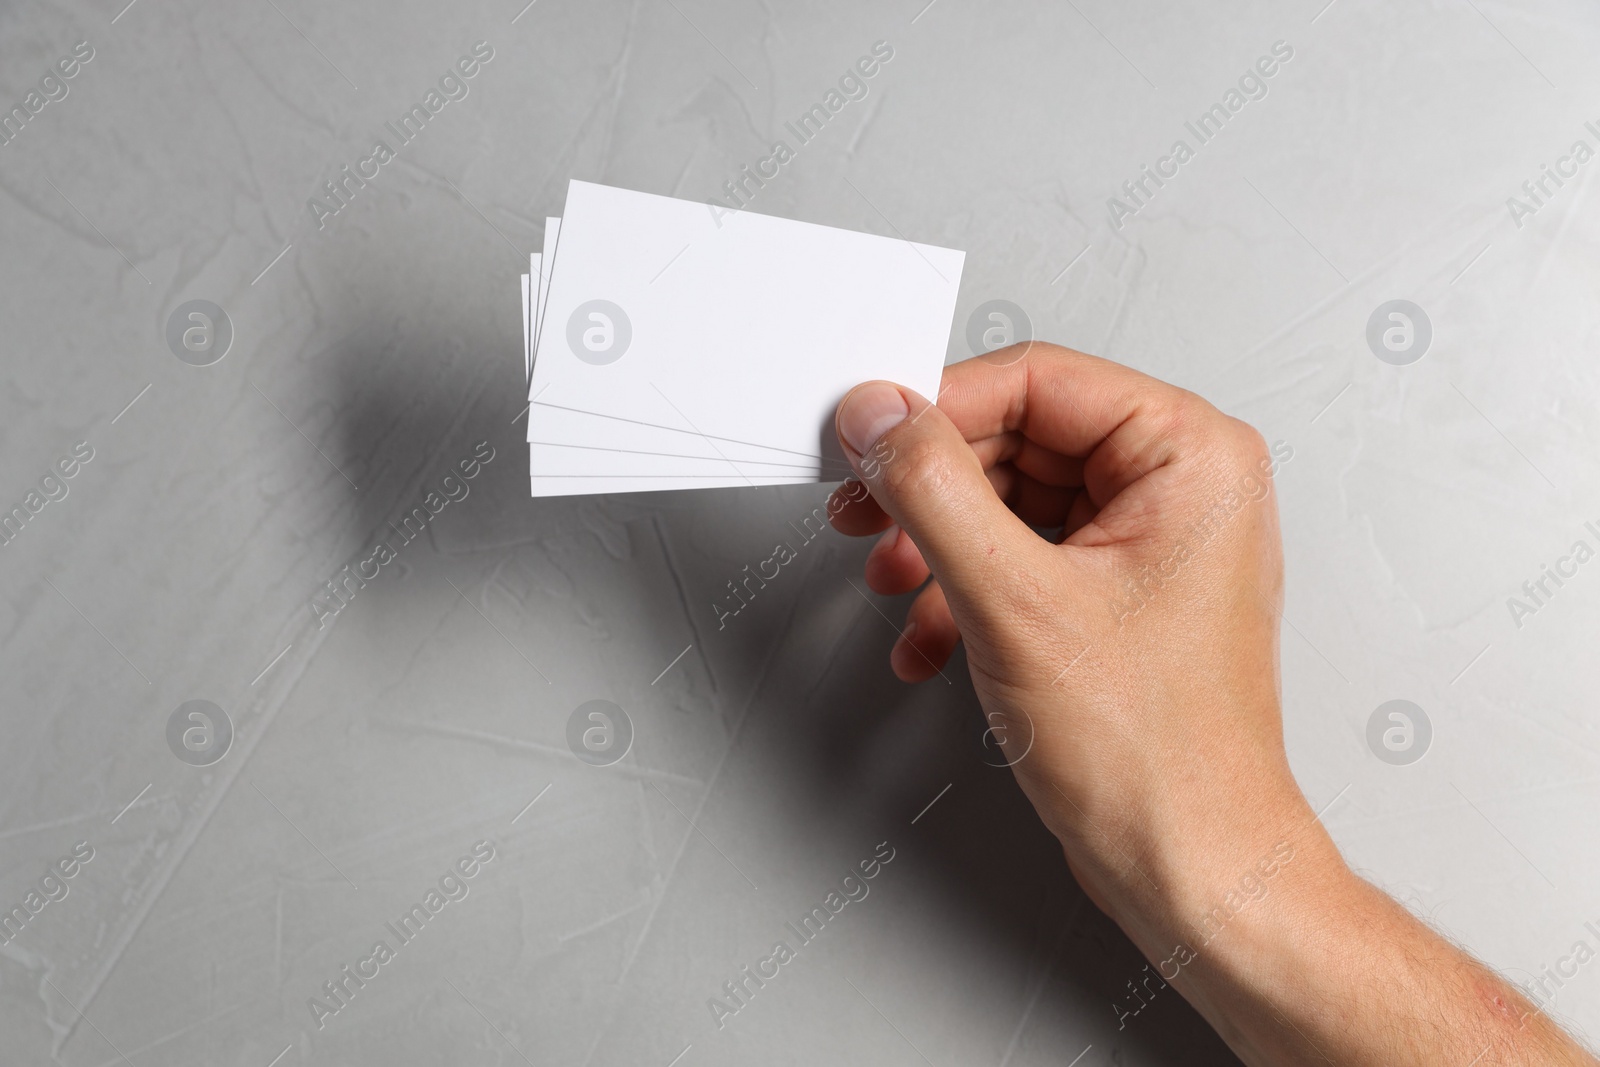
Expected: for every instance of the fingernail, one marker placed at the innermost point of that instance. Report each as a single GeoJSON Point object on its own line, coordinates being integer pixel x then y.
{"type": "Point", "coordinates": [869, 412]}
{"type": "Point", "coordinates": [909, 633]}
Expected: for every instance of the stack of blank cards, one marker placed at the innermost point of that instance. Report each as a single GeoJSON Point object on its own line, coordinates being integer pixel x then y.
{"type": "Point", "coordinates": [671, 344]}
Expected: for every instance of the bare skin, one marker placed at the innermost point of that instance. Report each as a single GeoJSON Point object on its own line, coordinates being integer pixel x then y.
{"type": "Point", "coordinates": [1138, 655]}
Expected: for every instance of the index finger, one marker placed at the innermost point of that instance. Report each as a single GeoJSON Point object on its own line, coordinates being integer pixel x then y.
{"type": "Point", "coordinates": [1066, 401]}
{"type": "Point", "coordinates": [1116, 419]}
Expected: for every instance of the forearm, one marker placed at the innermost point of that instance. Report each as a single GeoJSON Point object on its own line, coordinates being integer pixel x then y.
{"type": "Point", "coordinates": [1322, 968]}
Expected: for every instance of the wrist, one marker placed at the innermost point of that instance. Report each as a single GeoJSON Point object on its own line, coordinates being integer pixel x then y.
{"type": "Point", "coordinates": [1208, 889]}
{"type": "Point", "coordinates": [1249, 918]}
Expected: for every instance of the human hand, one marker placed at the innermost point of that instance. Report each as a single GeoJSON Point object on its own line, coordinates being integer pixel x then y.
{"type": "Point", "coordinates": [1133, 659]}
{"type": "Point", "coordinates": [1129, 667]}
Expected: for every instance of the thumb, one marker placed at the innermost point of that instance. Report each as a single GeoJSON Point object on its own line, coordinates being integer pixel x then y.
{"type": "Point", "coordinates": [922, 472]}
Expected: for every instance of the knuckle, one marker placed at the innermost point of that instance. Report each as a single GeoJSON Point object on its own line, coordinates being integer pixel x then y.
{"type": "Point", "coordinates": [1188, 417]}
{"type": "Point", "coordinates": [1192, 418]}
{"type": "Point", "coordinates": [1247, 441]}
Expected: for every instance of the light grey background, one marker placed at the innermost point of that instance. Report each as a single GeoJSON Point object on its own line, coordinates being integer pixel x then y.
{"type": "Point", "coordinates": [375, 352]}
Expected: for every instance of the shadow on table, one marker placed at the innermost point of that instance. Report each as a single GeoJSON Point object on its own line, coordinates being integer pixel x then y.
{"type": "Point", "coordinates": [845, 738]}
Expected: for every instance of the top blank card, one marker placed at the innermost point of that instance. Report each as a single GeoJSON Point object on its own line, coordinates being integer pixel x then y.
{"type": "Point", "coordinates": [744, 328]}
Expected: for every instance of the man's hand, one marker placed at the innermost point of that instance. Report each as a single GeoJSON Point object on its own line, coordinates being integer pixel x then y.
{"type": "Point", "coordinates": [1129, 666]}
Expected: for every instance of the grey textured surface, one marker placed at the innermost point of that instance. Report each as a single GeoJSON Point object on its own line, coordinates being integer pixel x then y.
{"type": "Point", "coordinates": [370, 355]}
